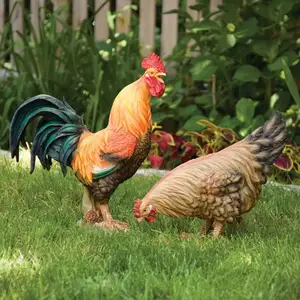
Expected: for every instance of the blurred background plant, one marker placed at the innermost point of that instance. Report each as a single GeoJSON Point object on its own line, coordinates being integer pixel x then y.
{"type": "Point", "coordinates": [67, 63]}
{"type": "Point", "coordinates": [234, 66]}
{"type": "Point", "coordinates": [229, 66]}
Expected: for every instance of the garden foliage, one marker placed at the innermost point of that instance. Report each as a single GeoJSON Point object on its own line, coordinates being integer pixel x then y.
{"type": "Point", "coordinates": [233, 68]}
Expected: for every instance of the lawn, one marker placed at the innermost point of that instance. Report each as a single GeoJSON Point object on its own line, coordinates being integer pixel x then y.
{"type": "Point", "coordinates": [44, 255]}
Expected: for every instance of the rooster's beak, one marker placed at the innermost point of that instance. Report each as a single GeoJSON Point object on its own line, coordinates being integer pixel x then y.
{"type": "Point", "coordinates": [161, 74]}
{"type": "Point", "coordinates": [159, 77]}
{"type": "Point", "coordinates": [140, 219]}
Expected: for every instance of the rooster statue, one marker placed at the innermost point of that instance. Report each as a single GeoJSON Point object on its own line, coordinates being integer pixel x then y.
{"type": "Point", "coordinates": [101, 160]}
{"type": "Point", "coordinates": [219, 187]}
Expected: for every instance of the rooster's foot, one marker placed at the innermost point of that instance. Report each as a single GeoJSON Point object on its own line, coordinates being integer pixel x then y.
{"type": "Point", "coordinates": [91, 217]}
{"type": "Point", "coordinates": [113, 225]}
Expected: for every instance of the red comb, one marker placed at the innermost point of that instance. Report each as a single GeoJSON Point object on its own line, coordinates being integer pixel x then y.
{"type": "Point", "coordinates": [136, 208]}
{"type": "Point", "coordinates": [153, 61]}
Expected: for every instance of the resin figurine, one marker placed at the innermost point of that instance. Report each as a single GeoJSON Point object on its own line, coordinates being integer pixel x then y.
{"type": "Point", "coordinates": [218, 187]}
{"type": "Point", "coordinates": [101, 160]}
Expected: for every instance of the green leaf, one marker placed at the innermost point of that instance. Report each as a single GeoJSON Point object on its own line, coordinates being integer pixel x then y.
{"type": "Point", "coordinates": [158, 117]}
{"type": "Point", "coordinates": [258, 121]}
{"type": "Point", "coordinates": [203, 70]}
{"type": "Point", "coordinates": [229, 122]}
{"type": "Point", "coordinates": [265, 12]}
{"type": "Point", "coordinates": [187, 111]}
{"type": "Point", "coordinates": [245, 130]}
{"type": "Point", "coordinates": [176, 102]}
{"type": "Point", "coordinates": [290, 57]}
{"type": "Point", "coordinates": [245, 110]}
{"type": "Point", "coordinates": [247, 73]}
{"type": "Point", "coordinates": [266, 48]}
{"type": "Point", "coordinates": [191, 123]}
{"type": "Point", "coordinates": [156, 102]}
{"type": "Point", "coordinates": [248, 29]}
{"type": "Point", "coordinates": [231, 40]}
{"type": "Point", "coordinates": [281, 7]}
{"type": "Point", "coordinates": [290, 82]}
{"type": "Point", "coordinates": [284, 100]}
{"type": "Point", "coordinates": [226, 41]}
{"type": "Point", "coordinates": [204, 99]}
{"type": "Point", "coordinates": [203, 25]}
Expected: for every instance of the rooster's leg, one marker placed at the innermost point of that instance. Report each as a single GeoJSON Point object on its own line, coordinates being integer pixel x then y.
{"type": "Point", "coordinates": [87, 201]}
{"type": "Point", "coordinates": [218, 229]}
{"type": "Point", "coordinates": [108, 221]}
{"type": "Point", "coordinates": [206, 227]}
{"type": "Point", "coordinates": [90, 214]}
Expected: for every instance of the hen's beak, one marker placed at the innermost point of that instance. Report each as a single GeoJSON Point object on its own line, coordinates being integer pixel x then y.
{"type": "Point", "coordinates": [140, 219]}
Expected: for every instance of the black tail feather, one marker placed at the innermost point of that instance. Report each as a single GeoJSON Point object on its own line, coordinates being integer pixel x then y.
{"type": "Point", "coordinates": [57, 133]}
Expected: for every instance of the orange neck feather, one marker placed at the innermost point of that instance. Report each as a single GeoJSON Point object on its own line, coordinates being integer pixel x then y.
{"type": "Point", "coordinates": [131, 109]}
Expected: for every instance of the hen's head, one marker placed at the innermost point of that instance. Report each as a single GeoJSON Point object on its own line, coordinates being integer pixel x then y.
{"type": "Point", "coordinates": [144, 211]}
{"type": "Point", "coordinates": [155, 70]}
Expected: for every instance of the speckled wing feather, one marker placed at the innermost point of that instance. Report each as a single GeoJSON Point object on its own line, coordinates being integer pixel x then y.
{"type": "Point", "coordinates": [221, 194]}
{"type": "Point", "coordinates": [218, 184]}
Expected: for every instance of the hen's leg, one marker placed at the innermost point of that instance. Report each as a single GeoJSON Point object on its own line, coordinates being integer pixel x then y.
{"type": "Point", "coordinates": [206, 227]}
{"type": "Point", "coordinates": [108, 221]}
{"type": "Point", "coordinates": [218, 229]}
{"type": "Point", "coordinates": [239, 220]}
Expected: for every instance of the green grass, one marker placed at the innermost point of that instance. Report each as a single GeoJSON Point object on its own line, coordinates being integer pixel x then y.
{"type": "Point", "coordinates": [44, 255]}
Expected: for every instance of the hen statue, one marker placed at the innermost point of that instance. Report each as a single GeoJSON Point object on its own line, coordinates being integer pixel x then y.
{"type": "Point", "coordinates": [101, 160]}
{"type": "Point", "coordinates": [219, 187]}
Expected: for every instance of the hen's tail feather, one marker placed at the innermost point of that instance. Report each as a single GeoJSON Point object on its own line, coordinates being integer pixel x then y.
{"type": "Point", "coordinates": [57, 134]}
{"type": "Point", "coordinates": [269, 139]}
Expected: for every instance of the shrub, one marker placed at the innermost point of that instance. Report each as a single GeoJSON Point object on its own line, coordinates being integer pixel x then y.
{"type": "Point", "coordinates": [230, 70]}
{"type": "Point", "coordinates": [67, 64]}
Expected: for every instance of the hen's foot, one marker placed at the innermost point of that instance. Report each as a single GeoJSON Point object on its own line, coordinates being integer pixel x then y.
{"type": "Point", "coordinates": [113, 225]}
{"type": "Point", "coordinates": [239, 220]}
{"type": "Point", "coordinates": [218, 229]}
{"type": "Point", "coordinates": [206, 227]}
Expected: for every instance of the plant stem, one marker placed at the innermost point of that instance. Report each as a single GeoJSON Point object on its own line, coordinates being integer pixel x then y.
{"type": "Point", "coordinates": [213, 92]}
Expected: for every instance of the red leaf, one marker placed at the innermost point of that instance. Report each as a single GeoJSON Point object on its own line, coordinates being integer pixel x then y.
{"type": "Point", "coordinates": [189, 152]}
{"type": "Point", "coordinates": [174, 154]}
{"type": "Point", "coordinates": [156, 161]}
{"type": "Point", "coordinates": [179, 141]}
{"type": "Point", "coordinates": [167, 137]}
{"type": "Point", "coordinates": [229, 135]}
{"type": "Point", "coordinates": [163, 140]}
{"type": "Point", "coordinates": [155, 138]}
{"type": "Point", "coordinates": [284, 162]}
{"type": "Point", "coordinates": [207, 149]}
